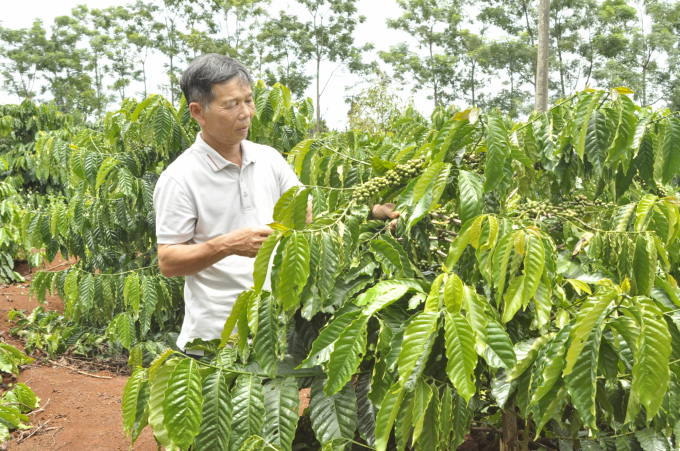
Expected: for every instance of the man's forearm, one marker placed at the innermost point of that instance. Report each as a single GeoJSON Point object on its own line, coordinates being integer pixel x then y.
{"type": "Point", "coordinates": [188, 259]}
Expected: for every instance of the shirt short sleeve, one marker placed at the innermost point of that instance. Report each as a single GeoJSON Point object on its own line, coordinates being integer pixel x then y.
{"type": "Point", "coordinates": [175, 212]}
{"type": "Point", "coordinates": [286, 175]}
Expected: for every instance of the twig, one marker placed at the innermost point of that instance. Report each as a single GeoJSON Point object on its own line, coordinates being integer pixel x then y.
{"type": "Point", "coordinates": [436, 238]}
{"type": "Point", "coordinates": [33, 433]}
{"type": "Point", "coordinates": [527, 431]}
{"type": "Point", "coordinates": [57, 266]}
{"type": "Point", "coordinates": [66, 443]}
{"type": "Point", "coordinates": [54, 442]}
{"type": "Point", "coordinates": [41, 409]}
{"type": "Point", "coordinates": [94, 375]}
{"type": "Point", "coordinates": [512, 195]}
{"type": "Point", "coordinates": [346, 156]}
{"type": "Point", "coordinates": [81, 372]}
{"type": "Point", "coordinates": [447, 232]}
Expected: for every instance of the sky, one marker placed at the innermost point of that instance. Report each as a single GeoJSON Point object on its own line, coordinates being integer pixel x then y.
{"type": "Point", "coordinates": [334, 109]}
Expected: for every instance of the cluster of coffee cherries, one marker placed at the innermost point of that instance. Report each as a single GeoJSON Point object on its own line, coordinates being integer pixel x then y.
{"type": "Point", "coordinates": [394, 177]}
{"type": "Point", "coordinates": [579, 206]}
{"type": "Point", "coordinates": [475, 163]}
{"type": "Point", "coordinates": [661, 190]}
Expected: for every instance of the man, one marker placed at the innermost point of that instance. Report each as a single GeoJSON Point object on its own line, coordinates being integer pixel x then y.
{"type": "Point", "coordinates": [213, 203]}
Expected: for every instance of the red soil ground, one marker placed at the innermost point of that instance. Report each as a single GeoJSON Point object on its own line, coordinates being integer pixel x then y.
{"type": "Point", "coordinates": [83, 412]}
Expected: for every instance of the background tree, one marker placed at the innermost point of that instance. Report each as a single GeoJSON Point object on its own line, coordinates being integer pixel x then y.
{"type": "Point", "coordinates": [374, 107]}
{"type": "Point", "coordinates": [235, 22]}
{"type": "Point", "coordinates": [168, 40]}
{"type": "Point", "coordinates": [329, 37]}
{"type": "Point", "coordinates": [515, 59]}
{"type": "Point", "coordinates": [64, 66]}
{"type": "Point", "coordinates": [95, 27]}
{"type": "Point", "coordinates": [433, 69]}
{"type": "Point", "coordinates": [569, 22]}
{"type": "Point", "coordinates": [139, 31]}
{"type": "Point", "coordinates": [285, 51]}
{"type": "Point", "coordinates": [470, 48]}
{"type": "Point", "coordinates": [670, 15]}
{"type": "Point", "coordinates": [633, 44]}
{"type": "Point", "coordinates": [121, 52]}
{"type": "Point", "coordinates": [19, 50]}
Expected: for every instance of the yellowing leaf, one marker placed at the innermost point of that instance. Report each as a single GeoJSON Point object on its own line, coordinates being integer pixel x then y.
{"type": "Point", "coordinates": [624, 90]}
{"type": "Point", "coordinates": [579, 286]}
{"type": "Point", "coordinates": [519, 242]}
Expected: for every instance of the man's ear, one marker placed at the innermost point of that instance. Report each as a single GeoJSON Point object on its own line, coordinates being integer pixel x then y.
{"type": "Point", "coordinates": [198, 112]}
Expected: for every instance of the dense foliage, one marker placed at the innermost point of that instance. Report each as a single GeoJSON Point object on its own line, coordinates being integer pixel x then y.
{"type": "Point", "coordinates": [529, 285]}
{"type": "Point", "coordinates": [532, 275]}
{"type": "Point", "coordinates": [18, 399]}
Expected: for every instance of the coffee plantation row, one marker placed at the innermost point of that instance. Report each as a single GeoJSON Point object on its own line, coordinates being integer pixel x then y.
{"type": "Point", "coordinates": [528, 289]}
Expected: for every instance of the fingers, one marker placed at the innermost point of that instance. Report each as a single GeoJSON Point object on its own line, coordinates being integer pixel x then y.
{"type": "Point", "coordinates": [263, 231]}
{"type": "Point", "coordinates": [384, 211]}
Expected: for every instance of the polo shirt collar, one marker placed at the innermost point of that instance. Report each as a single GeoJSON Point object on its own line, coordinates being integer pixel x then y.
{"type": "Point", "coordinates": [216, 161]}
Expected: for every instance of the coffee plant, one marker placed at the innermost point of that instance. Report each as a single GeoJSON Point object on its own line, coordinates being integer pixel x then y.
{"type": "Point", "coordinates": [528, 290]}
{"type": "Point", "coordinates": [18, 400]}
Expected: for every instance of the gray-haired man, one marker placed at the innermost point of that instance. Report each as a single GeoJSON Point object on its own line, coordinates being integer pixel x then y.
{"type": "Point", "coordinates": [213, 202]}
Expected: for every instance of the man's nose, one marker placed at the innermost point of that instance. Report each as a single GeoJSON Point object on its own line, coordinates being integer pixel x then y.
{"type": "Point", "coordinates": [244, 112]}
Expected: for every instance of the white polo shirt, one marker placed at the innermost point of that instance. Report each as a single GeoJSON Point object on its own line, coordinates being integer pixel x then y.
{"type": "Point", "coordinates": [201, 196]}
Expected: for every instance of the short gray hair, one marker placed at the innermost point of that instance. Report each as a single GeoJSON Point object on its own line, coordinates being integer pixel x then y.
{"type": "Point", "coordinates": [198, 79]}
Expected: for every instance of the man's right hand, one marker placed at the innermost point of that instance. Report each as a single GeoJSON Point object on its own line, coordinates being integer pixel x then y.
{"type": "Point", "coordinates": [246, 241]}
{"type": "Point", "coordinates": [189, 259]}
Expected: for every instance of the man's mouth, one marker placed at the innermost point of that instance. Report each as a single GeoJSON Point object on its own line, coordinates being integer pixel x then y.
{"type": "Point", "coordinates": [244, 129]}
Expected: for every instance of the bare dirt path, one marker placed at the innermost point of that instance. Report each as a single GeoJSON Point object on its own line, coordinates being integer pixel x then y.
{"type": "Point", "coordinates": [83, 413]}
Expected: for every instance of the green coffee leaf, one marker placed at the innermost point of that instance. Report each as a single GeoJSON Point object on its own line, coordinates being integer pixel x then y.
{"type": "Point", "coordinates": [460, 352]}
{"type": "Point", "coordinates": [335, 416]}
{"type": "Point", "coordinates": [282, 403]}
{"type": "Point", "coordinates": [248, 400]}
{"type": "Point", "coordinates": [182, 404]}
{"type": "Point", "coordinates": [217, 410]}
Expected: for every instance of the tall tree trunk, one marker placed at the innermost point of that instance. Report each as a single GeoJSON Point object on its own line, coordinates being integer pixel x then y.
{"type": "Point", "coordinates": [644, 85]}
{"type": "Point", "coordinates": [590, 60]}
{"type": "Point", "coordinates": [172, 80]}
{"type": "Point", "coordinates": [144, 77]}
{"type": "Point", "coordinates": [472, 82]}
{"type": "Point", "coordinates": [559, 57]}
{"type": "Point", "coordinates": [434, 78]}
{"type": "Point", "coordinates": [543, 54]}
{"type": "Point", "coordinates": [526, 17]}
{"type": "Point", "coordinates": [318, 96]}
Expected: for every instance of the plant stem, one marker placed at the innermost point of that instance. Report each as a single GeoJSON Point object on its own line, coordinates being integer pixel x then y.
{"type": "Point", "coordinates": [346, 156]}
{"type": "Point", "coordinates": [527, 430]}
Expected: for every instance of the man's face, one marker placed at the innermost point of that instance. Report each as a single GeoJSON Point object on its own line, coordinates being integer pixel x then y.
{"type": "Point", "coordinates": [230, 114]}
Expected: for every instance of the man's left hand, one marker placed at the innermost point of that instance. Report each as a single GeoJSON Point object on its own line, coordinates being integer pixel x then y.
{"type": "Point", "coordinates": [383, 212]}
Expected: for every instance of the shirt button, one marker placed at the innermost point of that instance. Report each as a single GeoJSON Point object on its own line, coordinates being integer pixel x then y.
{"type": "Point", "coordinates": [241, 178]}
{"type": "Point", "coordinates": [245, 194]}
